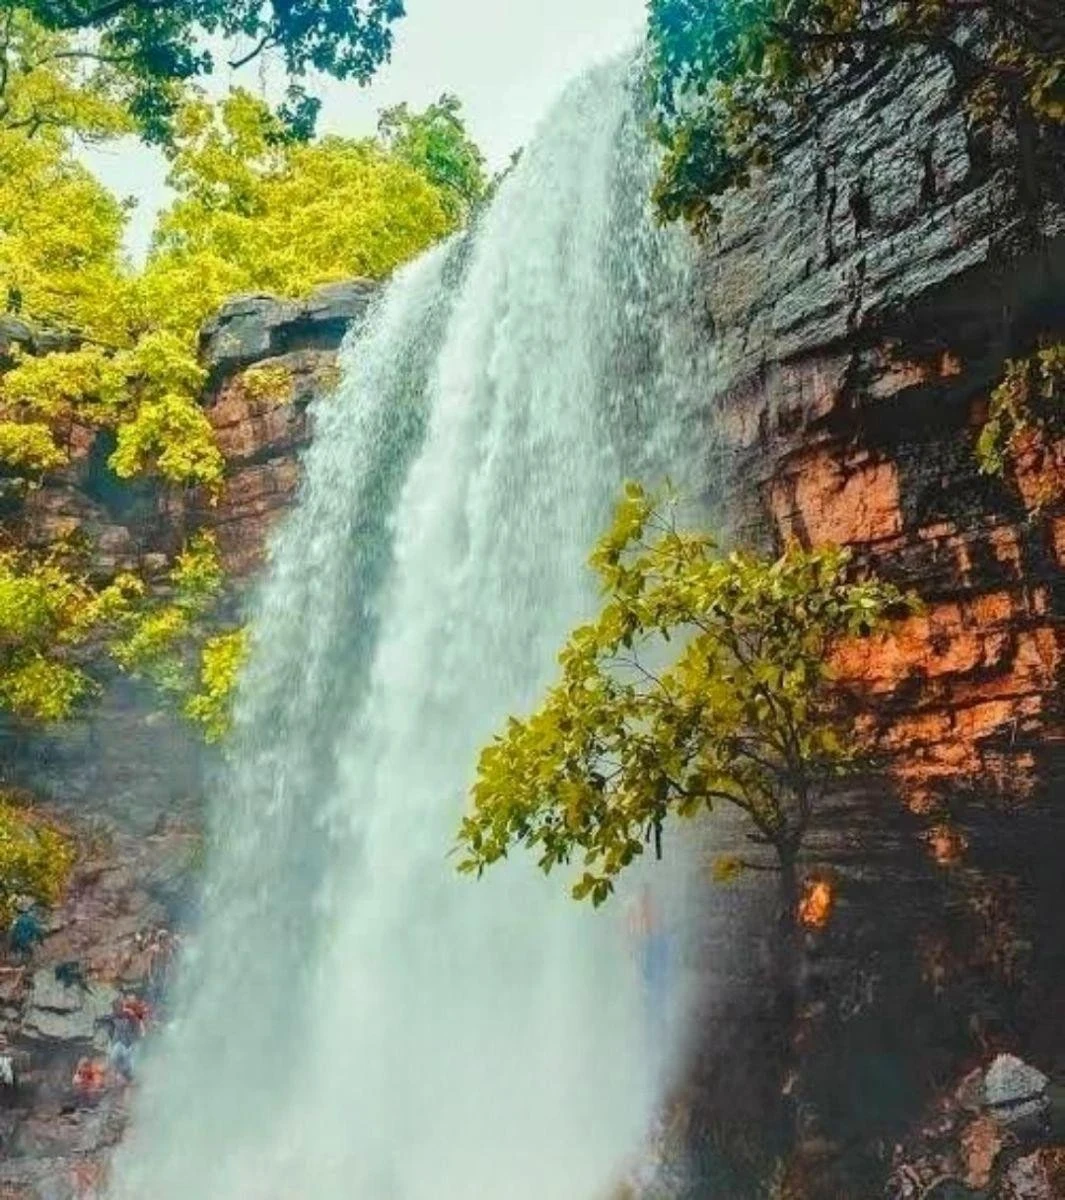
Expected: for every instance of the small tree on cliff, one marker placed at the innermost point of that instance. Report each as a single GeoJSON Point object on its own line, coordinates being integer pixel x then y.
{"type": "Point", "coordinates": [741, 713]}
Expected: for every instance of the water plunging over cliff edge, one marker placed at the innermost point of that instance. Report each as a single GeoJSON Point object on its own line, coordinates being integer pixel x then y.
{"type": "Point", "coordinates": [356, 1021]}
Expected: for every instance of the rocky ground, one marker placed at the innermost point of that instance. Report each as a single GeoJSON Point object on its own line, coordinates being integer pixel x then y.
{"type": "Point", "coordinates": [74, 1010]}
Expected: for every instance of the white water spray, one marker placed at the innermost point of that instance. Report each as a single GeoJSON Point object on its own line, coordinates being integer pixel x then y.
{"type": "Point", "coordinates": [357, 1022]}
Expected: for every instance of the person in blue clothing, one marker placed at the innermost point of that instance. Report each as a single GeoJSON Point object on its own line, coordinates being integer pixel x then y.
{"type": "Point", "coordinates": [26, 932]}
{"type": "Point", "coordinates": [653, 952]}
{"type": "Point", "coordinates": [651, 946]}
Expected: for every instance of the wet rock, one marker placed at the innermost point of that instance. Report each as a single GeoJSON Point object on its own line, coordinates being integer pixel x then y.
{"type": "Point", "coordinates": [16, 334]}
{"type": "Point", "coordinates": [244, 331]}
{"type": "Point", "coordinates": [1036, 1176]}
{"type": "Point", "coordinates": [251, 328]}
{"type": "Point", "coordinates": [1015, 1093]}
{"type": "Point", "coordinates": [65, 1012]}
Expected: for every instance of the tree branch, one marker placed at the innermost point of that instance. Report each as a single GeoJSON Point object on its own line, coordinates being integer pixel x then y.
{"type": "Point", "coordinates": [267, 42]}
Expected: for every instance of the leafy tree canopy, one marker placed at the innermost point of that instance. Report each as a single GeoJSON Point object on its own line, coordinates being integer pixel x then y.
{"type": "Point", "coordinates": [254, 211]}
{"type": "Point", "coordinates": [705, 681]}
{"type": "Point", "coordinates": [147, 49]}
{"type": "Point", "coordinates": [726, 71]}
{"type": "Point", "coordinates": [435, 143]}
{"type": "Point", "coordinates": [264, 213]}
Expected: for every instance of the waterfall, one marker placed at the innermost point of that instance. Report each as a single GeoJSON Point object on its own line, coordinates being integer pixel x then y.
{"type": "Point", "coordinates": [354, 1020]}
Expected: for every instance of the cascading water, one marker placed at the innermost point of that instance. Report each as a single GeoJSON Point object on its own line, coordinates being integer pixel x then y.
{"type": "Point", "coordinates": [356, 1021]}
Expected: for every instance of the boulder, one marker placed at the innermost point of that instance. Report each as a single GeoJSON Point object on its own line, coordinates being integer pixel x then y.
{"type": "Point", "coordinates": [1014, 1092]}
{"type": "Point", "coordinates": [1036, 1176]}
{"type": "Point", "coordinates": [249, 329]}
{"type": "Point", "coordinates": [65, 1012]}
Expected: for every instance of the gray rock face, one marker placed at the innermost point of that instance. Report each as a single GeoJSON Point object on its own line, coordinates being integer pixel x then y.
{"type": "Point", "coordinates": [882, 210]}
{"type": "Point", "coordinates": [1028, 1179]}
{"type": "Point", "coordinates": [16, 334]}
{"type": "Point", "coordinates": [249, 329]}
{"type": "Point", "coordinates": [1014, 1092]}
{"type": "Point", "coordinates": [65, 1013]}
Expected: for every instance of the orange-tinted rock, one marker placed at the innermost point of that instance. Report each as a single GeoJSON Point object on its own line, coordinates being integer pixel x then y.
{"type": "Point", "coordinates": [820, 501]}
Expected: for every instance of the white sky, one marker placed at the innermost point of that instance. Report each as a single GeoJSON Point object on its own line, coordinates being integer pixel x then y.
{"type": "Point", "coordinates": [506, 59]}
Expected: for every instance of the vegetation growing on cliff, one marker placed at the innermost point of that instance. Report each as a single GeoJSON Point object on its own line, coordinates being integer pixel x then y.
{"type": "Point", "coordinates": [255, 210]}
{"type": "Point", "coordinates": [1028, 403]}
{"type": "Point", "coordinates": [49, 615]}
{"type": "Point", "coordinates": [727, 73]}
{"type": "Point", "coordinates": [704, 681]}
{"type": "Point", "coordinates": [35, 861]}
{"type": "Point", "coordinates": [211, 704]}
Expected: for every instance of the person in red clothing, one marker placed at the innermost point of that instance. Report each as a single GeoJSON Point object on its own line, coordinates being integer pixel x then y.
{"type": "Point", "coordinates": [90, 1080]}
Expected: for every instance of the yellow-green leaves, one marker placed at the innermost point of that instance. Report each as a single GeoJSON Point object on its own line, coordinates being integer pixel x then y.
{"type": "Point", "coordinates": [220, 665]}
{"type": "Point", "coordinates": [29, 448]}
{"type": "Point", "coordinates": [154, 635]}
{"type": "Point", "coordinates": [168, 641]}
{"type": "Point", "coordinates": [1030, 397]}
{"type": "Point", "coordinates": [35, 861]}
{"type": "Point", "coordinates": [255, 210]}
{"type": "Point", "coordinates": [170, 437]}
{"type": "Point", "coordinates": [47, 611]}
{"type": "Point", "coordinates": [287, 216]}
{"type": "Point", "coordinates": [704, 680]}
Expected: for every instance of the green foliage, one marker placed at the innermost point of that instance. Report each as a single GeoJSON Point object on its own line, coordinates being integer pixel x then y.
{"type": "Point", "coordinates": [54, 621]}
{"type": "Point", "coordinates": [704, 681]}
{"type": "Point", "coordinates": [435, 143]}
{"type": "Point", "coordinates": [145, 50]}
{"type": "Point", "coordinates": [51, 81]}
{"type": "Point", "coordinates": [725, 73]}
{"type": "Point", "coordinates": [35, 861]}
{"type": "Point", "coordinates": [255, 210]}
{"type": "Point", "coordinates": [168, 641]}
{"type": "Point", "coordinates": [222, 658]}
{"type": "Point", "coordinates": [156, 637]}
{"type": "Point", "coordinates": [261, 213]}
{"type": "Point", "coordinates": [1031, 397]}
{"type": "Point", "coordinates": [48, 613]}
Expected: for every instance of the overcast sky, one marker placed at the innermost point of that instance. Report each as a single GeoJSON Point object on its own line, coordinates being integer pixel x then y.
{"type": "Point", "coordinates": [506, 59]}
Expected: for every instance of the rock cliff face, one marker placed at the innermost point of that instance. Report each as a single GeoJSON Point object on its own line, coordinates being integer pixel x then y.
{"type": "Point", "coordinates": [864, 296]}
{"type": "Point", "coordinates": [126, 780]}
{"type": "Point", "coordinates": [268, 359]}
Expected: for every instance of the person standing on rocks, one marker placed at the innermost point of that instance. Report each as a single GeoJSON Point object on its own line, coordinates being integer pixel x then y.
{"type": "Point", "coordinates": [652, 950]}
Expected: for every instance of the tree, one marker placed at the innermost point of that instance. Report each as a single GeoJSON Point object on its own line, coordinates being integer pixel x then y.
{"type": "Point", "coordinates": [725, 73]}
{"type": "Point", "coordinates": [705, 681]}
{"type": "Point", "coordinates": [435, 142]}
{"type": "Point", "coordinates": [149, 49]}
{"type": "Point", "coordinates": [257, 212]}
{"type": "Point", "coordinates": [254, 211]}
